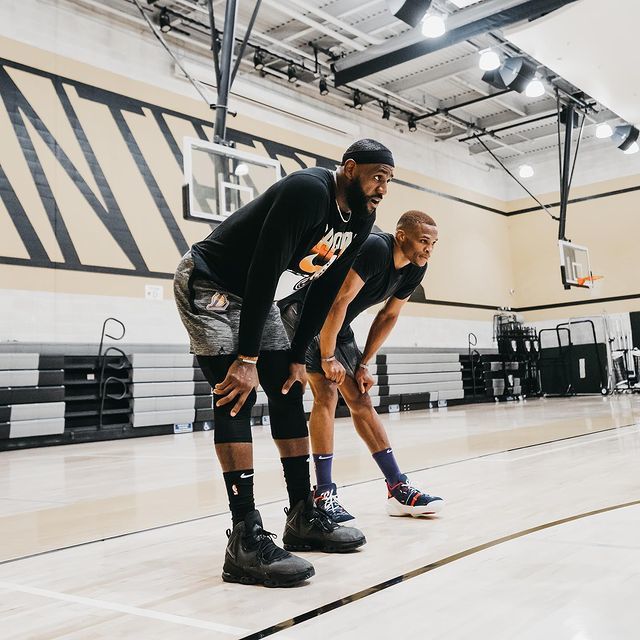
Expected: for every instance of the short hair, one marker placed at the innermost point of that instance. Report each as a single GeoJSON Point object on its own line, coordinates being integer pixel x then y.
{"type": "Point", "coordinates": [366, 144]}
{"type": "Point", "coordinates": [413, 218]}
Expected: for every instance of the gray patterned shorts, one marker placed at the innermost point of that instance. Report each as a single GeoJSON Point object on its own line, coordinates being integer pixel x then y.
{"type": "Point", "coordinates": [211, 315]}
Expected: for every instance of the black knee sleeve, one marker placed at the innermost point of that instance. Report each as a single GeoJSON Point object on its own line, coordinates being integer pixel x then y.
{"type": "Point", "coordinates": [233, 429]}
{"type": "Point", "coordinates": [286, 412]}
{"type": "Point", "coordinates": [225, 427]}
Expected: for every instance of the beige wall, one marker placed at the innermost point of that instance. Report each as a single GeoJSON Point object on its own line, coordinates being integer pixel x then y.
{"type": "Point", "coordinates": [483, 258]}
{"type": "Point", "coordinates": [609, 226]}
{"type": "Point", "coordinates": [472, 265]}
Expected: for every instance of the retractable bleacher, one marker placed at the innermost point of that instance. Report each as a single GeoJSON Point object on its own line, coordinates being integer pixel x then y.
{"type": "Point", "coordinates": [59, 399]}
{"type": "Point", "coordinates": [31, 396]}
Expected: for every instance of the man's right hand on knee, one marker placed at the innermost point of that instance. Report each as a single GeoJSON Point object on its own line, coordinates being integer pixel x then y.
{"type": "Point", "coordinates": [333, 370]}
{"type": "Point", "coordinates": [240, 380]}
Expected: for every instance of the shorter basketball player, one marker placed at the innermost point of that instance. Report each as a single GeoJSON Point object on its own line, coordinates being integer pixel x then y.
{"type": "Point", "coordinates": [387, 268]}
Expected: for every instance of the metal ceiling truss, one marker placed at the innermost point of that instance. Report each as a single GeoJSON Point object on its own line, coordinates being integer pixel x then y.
{"type": "Point", "coordinates": [360, 46]}
{"type": "Point", "coordinates": [467, 23]}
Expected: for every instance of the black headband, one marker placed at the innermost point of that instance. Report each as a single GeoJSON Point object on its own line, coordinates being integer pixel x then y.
{"type": "Point", "coordinates": [379, 156]}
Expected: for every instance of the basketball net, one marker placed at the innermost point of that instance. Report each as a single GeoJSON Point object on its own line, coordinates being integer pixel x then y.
{"type": "Point", "coordinates": [588, 279]}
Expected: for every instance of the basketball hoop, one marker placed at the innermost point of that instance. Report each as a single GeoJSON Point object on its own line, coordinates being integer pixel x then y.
{"type": "Point", "coordinates": [588, 280]}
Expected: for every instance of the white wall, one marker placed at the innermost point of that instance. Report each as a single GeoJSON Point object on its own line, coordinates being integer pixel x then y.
{"type": "Point", "coordinates": [73, 318]}
{"type": "Point", "coordinates": [430, 333]}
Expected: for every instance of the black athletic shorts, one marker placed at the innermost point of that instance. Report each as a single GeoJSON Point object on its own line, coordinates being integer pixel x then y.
{"type": "Point", "coordinates": [347, 352]}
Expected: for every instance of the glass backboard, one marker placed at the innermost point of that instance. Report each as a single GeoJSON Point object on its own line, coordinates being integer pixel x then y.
{"type": "Point", "coordinates": [574, 265]}
{"type": "Point", "coordinates": [219, 179]}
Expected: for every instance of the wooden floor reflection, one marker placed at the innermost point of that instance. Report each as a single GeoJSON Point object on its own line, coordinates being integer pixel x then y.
{"type": "Point", "coordinates": [153, 512]}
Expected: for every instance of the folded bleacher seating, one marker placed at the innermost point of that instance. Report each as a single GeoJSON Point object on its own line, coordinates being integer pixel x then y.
{"type": "Point", "coordinates": [168, 389]}
{"type": "Point", "coordinates": [31, 396]}
{"type": "Point", "coordinates": [56, 399]}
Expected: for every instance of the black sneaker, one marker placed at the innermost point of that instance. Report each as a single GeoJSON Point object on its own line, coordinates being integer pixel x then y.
{"type": "Point", "coordinates": [327, 500]}
{"type": "Point", "coordinates": [311, 529]}
{"type": "Point", "coordinates": [253, 558]}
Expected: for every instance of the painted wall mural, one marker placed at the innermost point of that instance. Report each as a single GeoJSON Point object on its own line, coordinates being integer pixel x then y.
{"type": "Point", "coordinates": [64, 197]}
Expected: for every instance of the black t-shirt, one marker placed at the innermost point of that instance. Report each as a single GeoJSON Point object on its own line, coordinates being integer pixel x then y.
{"type": "Point", "coordinates": [382, 280]}
{"type": "Point", "coordinates": [280, 242]}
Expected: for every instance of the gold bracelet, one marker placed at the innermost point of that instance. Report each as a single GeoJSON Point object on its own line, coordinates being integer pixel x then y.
{"type": "Point", "coordinates": [247, 360]}
{"type": "Point", "coordinates": [329, 359]}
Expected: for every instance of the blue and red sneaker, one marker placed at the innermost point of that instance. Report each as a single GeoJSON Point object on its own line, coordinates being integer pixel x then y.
{"type": "Point", "coordinates": [406, 500]}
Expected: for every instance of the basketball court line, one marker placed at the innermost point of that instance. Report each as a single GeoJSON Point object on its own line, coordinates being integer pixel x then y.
{"type": "Point", "coordinates": [123, 608]}
{"type": "Point", "coordinates": [504, 451]}
{"type": "Point", "coordinates": [353, 484]}
{"type": "Point", "coordinates": [507, 458]}
{"type": "Point", "coordinates": [336, 604]}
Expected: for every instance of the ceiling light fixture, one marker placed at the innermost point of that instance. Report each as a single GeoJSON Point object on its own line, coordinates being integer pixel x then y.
{"type": "Point", "coordinates": [525, 171]}
{"type": "Point", "coordinates": [604, 130]}
{"type": "Point", "coordinates": [242, 169]}
{"type": "Point", "coordinates": [535, 89]}
{"type": "Point", "coordinates": [634, 148]}
{"type": "Point", "coordinates": [410, 11]}
{"type": "Point", "coordinates": [434, 26]}
{"type": "Point", "coordinates": [165, 21]}
{"type": "Point", "coordinates": [292, 74]}
{"type": "Point", "coordinates": [322, 86]}
{"type": "Point", "coordinates": [258, 59]}
{"type": "Point", "coordinates": [489, 60]}
{"type": "Point", "coordinates": [412, 124]}
{"type": "Point", "coordinates": [624, 136]}
{"type": "Point", "coordinates": [386, 111]}
{"type": "Point", "coordinates": [357, 99]}
{"type": "Point", "coordinates": [514, 73]}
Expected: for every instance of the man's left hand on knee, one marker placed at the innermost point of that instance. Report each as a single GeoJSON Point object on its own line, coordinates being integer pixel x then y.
{"type": "Point", "coordinates": [297, 373]}
{"type": "Point", "coordinates": [364, 379]}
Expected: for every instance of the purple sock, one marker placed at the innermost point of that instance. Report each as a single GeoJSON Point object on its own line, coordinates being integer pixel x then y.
{"type": "Point", "coordinates": [322, 462]}
{"type": "Point", "coordinates": [388, 465]}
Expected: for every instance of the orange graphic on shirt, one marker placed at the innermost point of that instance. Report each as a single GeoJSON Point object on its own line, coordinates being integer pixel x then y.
{"type": "Point", "coordinates": [321, 255]}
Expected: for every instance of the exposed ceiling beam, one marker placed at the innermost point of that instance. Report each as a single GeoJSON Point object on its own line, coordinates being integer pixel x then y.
{"type": "Point", "coordinates": [341, 24]}
{"type": "Point", "coordinates": [543, 108]}
{"type": "Point", "coordinates": [434, 74]}
{"type": "Point", "coordinates": [511, 101]}
{"type": "Point", "coordinates": [545, 128]}
{"type": "Point", "coordinates": [464, 24]}
{"type": "Point", "coordinates": [300, 17]}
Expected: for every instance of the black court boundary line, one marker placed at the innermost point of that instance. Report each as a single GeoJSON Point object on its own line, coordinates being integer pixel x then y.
{"type": "Point", "coordinates": [594, 196]}
{"type": "Point", "coordinates": [270, 502]}
{"type": "Point", "coordinates": [381, 586]}
{"type": "Point", "coordinates": [554, 305]}
{"type": "Point", "coordinates": [160, 275]}
{"type": "Point", "coordinates": [497, 453]}
{"type": "Point", "coordinates": [450, 196]}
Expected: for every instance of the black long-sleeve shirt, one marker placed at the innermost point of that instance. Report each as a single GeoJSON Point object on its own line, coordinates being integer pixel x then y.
{"type": "Point", "coordinates": [280, 242]}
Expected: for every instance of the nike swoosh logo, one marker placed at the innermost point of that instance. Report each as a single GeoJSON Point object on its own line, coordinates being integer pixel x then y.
{"type": "Point", "coordinates": [246, 475]}
{"type": "Point", "coordinates": [324, 457]}
{"type": "Point", "coordinates": [388, 450]}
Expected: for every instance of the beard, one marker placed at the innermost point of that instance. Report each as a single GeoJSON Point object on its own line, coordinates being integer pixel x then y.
{"type": "Point", "coordinates": [357, 199]}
